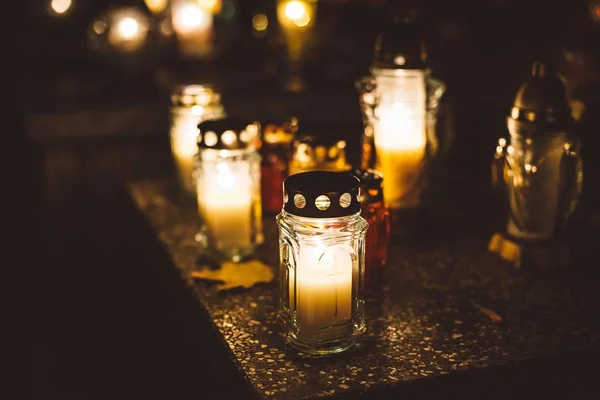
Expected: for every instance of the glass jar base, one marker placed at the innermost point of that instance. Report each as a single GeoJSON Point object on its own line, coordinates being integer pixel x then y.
{"type": "Point", "coordinates": [235, 255]}
{"type": "Point", "coordinates": [323, 348]}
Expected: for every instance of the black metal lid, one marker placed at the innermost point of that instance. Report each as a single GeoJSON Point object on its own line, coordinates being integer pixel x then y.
{"type": "Point", "coordinates": [228, 133]}
{"type": "Point", "coordinates": [399, 45]}
{"type": "Point", "coordinates": [541, 104]}
{"type": "Point", "coordinates": [194, 95]}
{"type": "Point", "coordinates": [371, 185]}
{"type": "Point", "coordinates": [321, 194]}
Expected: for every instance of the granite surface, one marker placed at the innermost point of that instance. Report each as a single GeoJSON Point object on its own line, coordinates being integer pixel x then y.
{"type": "Point", "coordinates": [447, 306]}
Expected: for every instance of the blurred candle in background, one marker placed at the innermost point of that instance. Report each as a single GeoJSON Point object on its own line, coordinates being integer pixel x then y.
{"type": "Point", "coordinates": [126, 28]}
{"type": "Point", "coordinates": [192, 22]}
{"type": "Point", "coordinates": [276, 151]}
{"type": "Point", "coordinates": [156, 6]}
{"type": "Point", "coordinates": [297, 20]}
{"type": "Point", "coordinates": [60, 8]}
{"type": "Point", "coordinates": [191, 104]}
{"type": "Point", "coordinates": [400, 136]}
{"type": "Point", "coordinates": [228, 186]}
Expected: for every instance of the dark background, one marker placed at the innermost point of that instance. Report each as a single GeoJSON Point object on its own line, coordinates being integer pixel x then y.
{"type": "Point", "coordinates": [100, 321]}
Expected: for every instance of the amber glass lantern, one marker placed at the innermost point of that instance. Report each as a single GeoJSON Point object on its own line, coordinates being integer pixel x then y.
{"type": "Point", "coordinates": [322, 245]}
{"type": "Point", "coordinates": [312, 153]}
{"type": "Point", "coordinates": [276, 151]}
{"type": "Point", "coordinates": [377, 215]}
{"type": "Point", "coordinates": [539, 164]}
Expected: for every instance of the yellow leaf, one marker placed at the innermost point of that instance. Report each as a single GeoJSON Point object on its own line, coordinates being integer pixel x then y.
{"type": "Point", "coordinates": [236, 275]}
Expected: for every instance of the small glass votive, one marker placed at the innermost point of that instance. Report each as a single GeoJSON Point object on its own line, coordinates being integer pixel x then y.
{"type": "Point", "coordinates": [228, 187]}
{"type": "Point", "coordinates": [276, 152]}
{"type": "Point", "coordinates": [191, 104]}
{"type": "Point", "coordinates": [322, 256]}
{"type": "Point", "coordinates": [377, 215]}
{"type": "Point", "coordinates": [312, 153]}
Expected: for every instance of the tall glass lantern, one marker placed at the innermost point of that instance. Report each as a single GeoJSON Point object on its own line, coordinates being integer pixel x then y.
{"type": "Point", "coordinates": [400, 101]}
{"type": "Point", "coordinates": [191, 104]}
{"type": "Point", "coordinates": [228, 186]}
{"type": "Point", "coordinates": [539, 164]}
{"type": "Point", "coordinates": [322, 257]}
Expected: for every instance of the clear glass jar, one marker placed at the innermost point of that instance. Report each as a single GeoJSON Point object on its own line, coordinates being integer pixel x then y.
{"type": "Point", "coordinates": [400, 109]}
{"type": "Point", "coordinates": [400, 102]}
{"type": "Point", "coordinates": [191, 104]}
{"type": "Point", "coordinates": [374, 211]}
{"type": "Point", "coordinates": [543, 178]}
{"type": "Point", "coordinates": [276, 152]}
{"type": "Point", "coordinates": [312, 153]}
{"type": "Point", "coordinates": [228, 187]}
{"type": "Point", "coordinates": [322, 256]}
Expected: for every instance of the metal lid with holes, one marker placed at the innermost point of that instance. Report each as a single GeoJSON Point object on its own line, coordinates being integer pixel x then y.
{"type": "Point", "coordinates": [371, 185]}
{"type": "Point", "coordinates": [277, 132]}
{"type": "Point", "coordinates": [321, 194]}
{"type": "Point", "coordinates": [541, 104]}
{"type": "Point", "coordinates": [195, 95]}
{"type": "Point", "coordinates": [229, 133]}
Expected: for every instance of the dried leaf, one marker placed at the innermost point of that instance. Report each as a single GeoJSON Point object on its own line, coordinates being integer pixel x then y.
{"type": "Point", "coordinates": [235, 275]}
{"type": "Point", "coordinates": [494, 316]}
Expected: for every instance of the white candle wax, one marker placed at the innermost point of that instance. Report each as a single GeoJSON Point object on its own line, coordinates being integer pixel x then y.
{"type": "Point", "coordinates": [225, 202]}
{"type": "Point", "coordinates": [400, 141]}
{"type": "Point", "coordinates": [324, 286]}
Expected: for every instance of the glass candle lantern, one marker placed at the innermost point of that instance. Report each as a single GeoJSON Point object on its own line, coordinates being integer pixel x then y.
{"type": "Point", "coordinates": [539, 165]}
{"type": "Point", "coordinates": [377, 215]}
{"type": "Point", "coordinates": [322, 245]}
{"type": "Point", "coordinates": [318, 154]}
{"type": "Point", "coordinates": [276, 151]}
{"type": "Point", "coordinates": [228, 186]}
{"type": "Point", "coordinates": [191, 104]}
{"type": "Point", "coordinates": [193, 24]}
{"type": "Point", "coordinates": [400, 102]}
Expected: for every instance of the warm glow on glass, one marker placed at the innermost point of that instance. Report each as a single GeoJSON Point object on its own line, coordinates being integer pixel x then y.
{"type": "Point", "coordinates": [192, 24]}
{"type": "Point", "coordinates": [213, 6]}
{"type": "Point", "coordinates": [61, 6]}
{"type": "Point", "coordinates": [228, 196]}
{"type": "Point", "coordinates": [156, 6]}
{"type": "Point", "coordinates": [260, 22]}
{"type": "Point", "coordinates": [190, 17]}
{"type": "Point", "coordinates": [127, 29]}
{"type": "Point", "coordinates": [295, 13]}
{"type": "Point", "coordinates": [400, 136]}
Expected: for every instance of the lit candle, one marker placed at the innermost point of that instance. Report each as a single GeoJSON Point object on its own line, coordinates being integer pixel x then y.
{"type": "Point", "coordinates": [127, 29]}
{"type": "Point", "coordinates": [193, 24]}
{"type": "Point", "coordinates": [324, 282]}
{"type": "Point", "coordinates": [225, 198]}
{"type": "Point", "coordinates": [400, 142]}
{"type": "Point", "coordinates": [322, 261]}
{"type": "Point", "coordinates": [228, 186]}
{"type": "Point", "coordinates": [192, 104]}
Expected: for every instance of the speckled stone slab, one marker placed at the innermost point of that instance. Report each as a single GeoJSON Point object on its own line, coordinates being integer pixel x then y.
{"type": "Point", "coordinates": [447, 306]}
